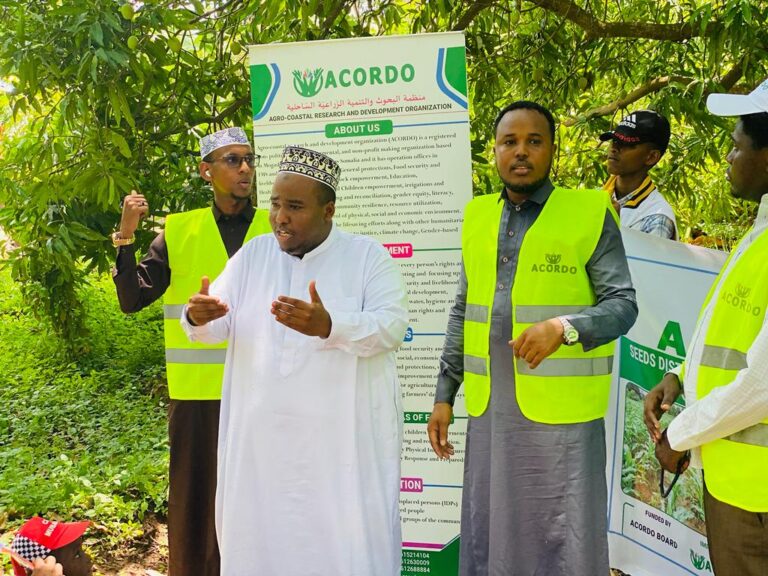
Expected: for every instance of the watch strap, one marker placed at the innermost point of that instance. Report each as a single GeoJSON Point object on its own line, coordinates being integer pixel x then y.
{"type": "Point", "coordinates": [570, 334]}
{"type": "Point", "coordinates": [118, 240]}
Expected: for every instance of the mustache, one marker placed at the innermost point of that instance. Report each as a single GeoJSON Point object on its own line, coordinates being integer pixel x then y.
{"type": "Point", "coordinates": [522, 165]}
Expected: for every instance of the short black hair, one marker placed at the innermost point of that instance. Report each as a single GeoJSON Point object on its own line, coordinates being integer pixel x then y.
{"type": "Point", "coordinates": [756, 127]}
{"type": "Point", "coordinates": [325, 193]}
{"type": "Point", "coordinates": [526, 105]}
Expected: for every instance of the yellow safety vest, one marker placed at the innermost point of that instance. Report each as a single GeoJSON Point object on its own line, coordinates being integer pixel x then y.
{"type": "Point", "coordinates": [195, 249]}
{"type": "Point", "coordinates": [736, 467]}
{"type": "Point", "coordinates": [551, 280]}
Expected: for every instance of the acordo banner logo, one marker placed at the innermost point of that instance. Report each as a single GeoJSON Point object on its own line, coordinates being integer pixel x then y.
{"type": "Point", "coordinates": [310, 82]}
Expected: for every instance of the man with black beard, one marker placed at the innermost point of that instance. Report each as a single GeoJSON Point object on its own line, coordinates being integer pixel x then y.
{"type": "Point", "coordinates": [544, 291]}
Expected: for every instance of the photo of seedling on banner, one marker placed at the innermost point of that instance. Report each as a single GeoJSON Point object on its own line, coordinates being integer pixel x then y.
{"type": "Point", "coordinates": [640, 469]}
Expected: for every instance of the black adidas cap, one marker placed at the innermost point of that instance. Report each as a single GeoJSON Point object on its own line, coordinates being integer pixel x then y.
{"type": "Point", "coordinates": [641, 126]}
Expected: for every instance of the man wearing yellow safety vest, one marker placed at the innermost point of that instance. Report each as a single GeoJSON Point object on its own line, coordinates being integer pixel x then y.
{"type": "Point", "coordinates": [194, 244]}
{"type": "Point", "coordinates": [725, 374]}
{"type": "Point", "coordinates": [544, 290]}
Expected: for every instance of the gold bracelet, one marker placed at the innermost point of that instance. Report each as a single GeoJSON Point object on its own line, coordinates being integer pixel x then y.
{"type": "Point", "coordinates": [118, 240]}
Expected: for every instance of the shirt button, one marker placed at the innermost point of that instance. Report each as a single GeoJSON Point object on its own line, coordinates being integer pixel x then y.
{"type": "Point", "coordinates": [505, 259]}
{"type": "Point", "coordinates": [517, 208]}
{"type": "Point", "coordinates": [501, 286]}
{"type": "Point", "coordinates": [511, 233]}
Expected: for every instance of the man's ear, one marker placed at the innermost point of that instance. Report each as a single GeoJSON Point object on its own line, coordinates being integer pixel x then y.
{"type": "Point", "coordinates": [653, 157]}
{"type": "Point", "coordinates": [330, 210]}
{"type": "Point", "coordinates": [205, 171]}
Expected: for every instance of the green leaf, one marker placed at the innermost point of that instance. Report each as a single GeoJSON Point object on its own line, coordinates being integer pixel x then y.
{"type": "Point", "coordinates": [126, 109]}
{"type": "Point", "coordinates": [82, 232]}
{"type": "Point", "coordinates": [121, 58]}
{"type": "Point", "coordinates": [97, 34]}
{"type": "Point", "coordinates": [121, 143]}
{"type": "Point", "coordinates": [94, 68]}
{"type": "Point", "coordinates": [746, 12]}
{"type": "Point", "coordinates": [114, 101]}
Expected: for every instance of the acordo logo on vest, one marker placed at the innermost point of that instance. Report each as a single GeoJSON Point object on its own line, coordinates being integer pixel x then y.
{"type": "Point", "coordinates": [739, 299]}
{"type": "Point", "coordinates": [553, 265]}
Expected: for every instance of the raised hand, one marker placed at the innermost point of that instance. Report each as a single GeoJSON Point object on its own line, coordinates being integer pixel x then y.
{"type": "Point", "coordinates": [310, 318]}
{"type": "Point", "coordinates": [134, 208]}
{"type": "Point", "coordinates": [202, 308]}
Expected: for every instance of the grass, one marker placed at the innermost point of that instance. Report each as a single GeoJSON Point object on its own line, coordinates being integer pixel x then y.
{"type": "Point", "coordinates": [84, 437]}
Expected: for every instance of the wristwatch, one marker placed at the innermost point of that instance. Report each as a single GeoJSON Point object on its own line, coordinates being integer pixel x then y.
{"type": "Point", "coordinates": [118, 240]}
{"type": "Point", "coordinates": [570, 334]}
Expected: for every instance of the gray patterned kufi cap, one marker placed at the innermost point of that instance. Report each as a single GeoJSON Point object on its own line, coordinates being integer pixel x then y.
{"type": "Point", "coordinates": [222, 138]}
{"type": "Point", "coordinates": [315, 165]}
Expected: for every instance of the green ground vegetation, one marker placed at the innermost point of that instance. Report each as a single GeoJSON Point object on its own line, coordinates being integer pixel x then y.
{"type": "Point", "coordinates": [83, 437]}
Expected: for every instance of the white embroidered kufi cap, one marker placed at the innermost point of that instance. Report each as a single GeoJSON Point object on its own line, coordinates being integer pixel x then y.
{"type": "Point", "coordinates": [222, 138]}
{"type": "Point", "coordinates": [312, 164]}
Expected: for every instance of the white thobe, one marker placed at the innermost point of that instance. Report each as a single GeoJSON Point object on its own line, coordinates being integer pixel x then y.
{"type": "Point", "coordinates": [311, 428]}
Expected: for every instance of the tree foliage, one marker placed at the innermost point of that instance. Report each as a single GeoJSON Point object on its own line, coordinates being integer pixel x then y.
{"type": "Point", "coordinates": [111, 97]}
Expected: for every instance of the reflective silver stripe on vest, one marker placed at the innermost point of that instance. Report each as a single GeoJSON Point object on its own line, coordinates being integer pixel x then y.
{"type": "Point", "coordinates": [568, 367]}
{"type": "Point", "coordinates": [194, 356]}
{"type": "Point", "coordinates": [475, 365]}
{"type": "Point", "coordinates": [476, 313]}
{"type": "Point", "coordinates": [531, 314]}
{"type": "Point", "coordinates": [725, 358]}
{"type": "Point", "coordinates": [172, 311]}
{"type": "Point", "coordinates": [756, 435]}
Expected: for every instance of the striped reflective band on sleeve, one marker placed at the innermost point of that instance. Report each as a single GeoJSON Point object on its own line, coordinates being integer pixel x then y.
{"type": "Point", "coordinates": [531, 314]}
{"type": "Point", "coordinates": [475, 365]}
{"type": "Point", "coordinates": [195, 356]}
{"type": "Point", "coordinates": [173, 311]}
{"type": "Point", "coordinates": [725, 358]}
{"type": "Point", "coordinates": [756, 435]}
{"type": "Point", "coordinates": [476, 313]}
{"type": "Point", "coordinates": [568, 367]}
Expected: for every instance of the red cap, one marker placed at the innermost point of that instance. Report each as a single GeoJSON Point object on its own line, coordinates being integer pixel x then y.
{"type": "Point", "coordinates": [37, 538]}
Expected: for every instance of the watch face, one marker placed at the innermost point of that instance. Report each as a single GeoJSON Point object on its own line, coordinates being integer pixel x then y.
{"type": "Point", "coordinates": [571, 335]}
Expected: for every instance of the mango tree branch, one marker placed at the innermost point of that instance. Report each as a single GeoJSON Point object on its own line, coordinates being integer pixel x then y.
{"type": "Point", "coordinates": [728, 80]}
{"type": "Point", "coordinates": [599, 29]}
{"type": "Point", "coordinates": [471, 13]}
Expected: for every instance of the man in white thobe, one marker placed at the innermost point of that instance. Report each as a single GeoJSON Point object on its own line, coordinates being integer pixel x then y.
{"type": "Point", "coordinates": [310, 430]}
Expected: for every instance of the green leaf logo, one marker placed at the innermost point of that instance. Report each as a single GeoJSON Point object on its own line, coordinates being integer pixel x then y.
{"type": "Point", "coordinates": [742, 291]}
{"type": "Point", "coordinates": [553, 258]}
{"type": "Point", "coordinates": [698, 560]}
{"type": "Point", "coordinates": [308, 82]}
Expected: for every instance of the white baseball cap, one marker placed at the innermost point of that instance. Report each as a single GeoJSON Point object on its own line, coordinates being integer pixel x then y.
{"type": "Point", "coordinates": [739, 104]}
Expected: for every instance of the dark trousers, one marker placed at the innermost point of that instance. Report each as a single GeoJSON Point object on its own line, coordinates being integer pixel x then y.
{"type": "Point", "coordinates": [193, 428]}
{"type": "Point", "coordinates": [738, 539]}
